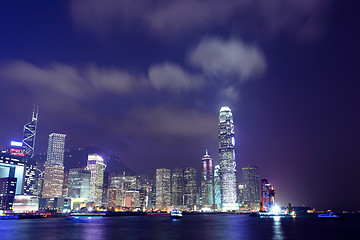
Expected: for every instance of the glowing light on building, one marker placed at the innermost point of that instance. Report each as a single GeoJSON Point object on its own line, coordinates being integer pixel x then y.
{"type": "Point", "coordinates": [97, 167]}
{"type": "Point", "coordinates": [30, 133]}
{"type": "Point", "coordinates": [227, 160]}
{"type": "Point", "coordinates": [16, 144]}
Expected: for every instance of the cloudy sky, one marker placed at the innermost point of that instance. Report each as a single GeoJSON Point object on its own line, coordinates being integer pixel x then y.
{"type": "Point", "coordinates": [145, 79]}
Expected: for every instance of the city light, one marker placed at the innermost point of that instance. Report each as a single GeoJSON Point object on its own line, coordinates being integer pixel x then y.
{"type": "Point", "coordinates": [16, 144]}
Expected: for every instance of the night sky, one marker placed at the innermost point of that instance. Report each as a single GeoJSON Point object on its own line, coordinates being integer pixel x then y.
{"type": "Point", "coordinates": [145, 79]}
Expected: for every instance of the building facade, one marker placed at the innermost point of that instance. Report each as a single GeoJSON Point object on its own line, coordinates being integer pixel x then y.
{"type": "Point", "coordinates": [207, 180]}
{"type": "Point", "coordinates": [227, 160]}
{"type": "Point", "coordinates": [251, 187]}
{"type": "Point", "coordinates": [54, 166]}
{"type": "Point", "coordinates": [79, 184]}
{"type": "Point", "coordinates": [96, 166]}
{"type": "Point", "coordinates": [30, 134]}
{"type": "Point", "coordinates": [177, 187]}
{"type": "Point", "coordinates": [163, 188]}
{"type": "Point", "coordinates": [217, 187]}
{"type": "Point", "coordinates": [190, 187]}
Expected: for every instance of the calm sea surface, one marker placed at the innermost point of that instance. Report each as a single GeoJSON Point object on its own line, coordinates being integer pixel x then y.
{"type": "Point", "coordinates": [208, 227]}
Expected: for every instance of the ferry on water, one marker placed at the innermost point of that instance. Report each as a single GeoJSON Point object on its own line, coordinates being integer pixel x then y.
{"type": "Point", "coordinates": [328, 215]}
{"type": "Point", "coordinates": [175, 214]}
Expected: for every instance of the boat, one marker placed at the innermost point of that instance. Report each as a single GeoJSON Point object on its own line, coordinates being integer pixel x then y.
{"type": "Point", "coordinates": [175, 214]}
{"type": "Point", "coordinates": [328, 215]}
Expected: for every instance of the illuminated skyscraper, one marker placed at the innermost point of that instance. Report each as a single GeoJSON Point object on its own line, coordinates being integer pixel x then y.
{"type": "Point", "coordinates": [177, 186]}
{"type": "Point", "coordinates": [54, 166]}
{"type": "Point", "coordinates": [217, 187]}
{"type": "Point", "coordinates": [190, 187]}
{"type": "Point", "coordinates": [227, 160]}
{"type": "Point", "coordinates": [163, 188]}
{"type": "Point", "coordinates": [207, 180]}
{"type": "Point", "coordinates": [251, 187]}
{"type": "Point", "coordinates": [56, 148]}
{"type": "Point", "coordinates": [96, 166]}
{"type": "Point", "coordinates": [30, 134]}
{"type": "Point", "coordinates": [79, 184]}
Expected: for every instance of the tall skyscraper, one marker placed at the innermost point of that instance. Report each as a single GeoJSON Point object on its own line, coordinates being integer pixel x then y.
{"type": "Point", "coordinates": [251, 187]}
{"type": "Point", "coordinates": [190, 187]}
{"type": "Point", "coordinates": [207, 180]}
{"type": "Point", "coordinates": [54, 166]}
{"type": "Point", "coordinates": [56, 148]}
{"type": "Point", "coordinates": [177, 187]}
{"type": "Point", "coordinates": [96, 166]}
{"type": "Point", "coordinates": [30, 134]}
{"type": "Point", "coordinates": [79, 184]}
{"type": "Point", "coordinates": [217, 187]}
{"type": "Point", "coordinates": [227, 160]}
{"type": "Point", "coordinates": [163, 188]}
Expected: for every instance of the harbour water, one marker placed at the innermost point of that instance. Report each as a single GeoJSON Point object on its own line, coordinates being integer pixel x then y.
{"type": "Point", "coordinates": [219, 227]}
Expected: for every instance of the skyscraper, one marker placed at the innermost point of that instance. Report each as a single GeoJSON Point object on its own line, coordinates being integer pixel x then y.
{"type": "Point", "coordinates": [54, 166]}
{"type": "Point", "coordinates": [190, 187]}
{"type": "Point", "coordinates": [96, 166]}
{"type": "Point", "coordinates": [56, 148]}
{"type": "Point", "coordinates": [251, 187]}
{"type": "Point", "coordinates": [30, 134]}
{"type": "Point", "coordinates": [207, 180]}
{"type": "Point", "coordinates": [217, 187]}
{"type": "Point", "coordinates": [227, 160]}
{"type": "Point", "coordinates": [177, 186]}
{"type": "Point", "coordinates": [79, 184]}
{"type": "Point", "coordinates": [163, 188]}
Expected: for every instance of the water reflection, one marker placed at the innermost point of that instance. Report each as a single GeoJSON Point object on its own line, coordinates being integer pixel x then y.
{"type": "Point", "coordinates": [277, 229]}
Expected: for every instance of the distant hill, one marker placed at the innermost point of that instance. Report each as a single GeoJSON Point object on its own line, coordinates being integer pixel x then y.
{"type": "Point", "coordinates": [78, 159]}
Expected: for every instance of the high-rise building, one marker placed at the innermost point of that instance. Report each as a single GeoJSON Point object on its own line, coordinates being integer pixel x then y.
{"type": "Point", "coordinates": [56, 148]}
{"type": "Point", "coordinates": [163, 188]}
{"type": "Point", "coordinates": [227, 160]}
{"type": "Point", "coordinates": [177, 187]}
{"type": "Point", "coordinates": [31, 178]}
{"type": "Point", "coordinates": [7, 192]}
{"type": "Point", "coordinates": [251, 187]}
{"type": "Point", "coordinates": [96, 166]}
{"type": "Point", "coordinates": [30, 134]}
{"type": "Point", "coordinates": [217, 187]}
{"type": "Point", "coordinates": [79, 184]}
{"type": "Point", "coordinates": [207, 180]}
{"type": "Point", "coordinates": [54, 166]}
{"type": "Point", "coordinates": [12, 166]}
{"type": "Point", "coordinates": [267, 195]}
{"type": "Point", "coordinates": [190, 187]}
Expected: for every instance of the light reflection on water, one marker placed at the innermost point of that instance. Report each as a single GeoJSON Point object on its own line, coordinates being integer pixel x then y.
{"type": "Point", "coordinates": [277, 229]}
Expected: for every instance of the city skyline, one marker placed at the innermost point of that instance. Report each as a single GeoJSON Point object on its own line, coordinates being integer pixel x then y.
{"type": "Point", "coordinates": [147, 85]}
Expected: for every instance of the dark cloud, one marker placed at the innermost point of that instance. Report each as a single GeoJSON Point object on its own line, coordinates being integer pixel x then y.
{"type": "Point", "coordinates": [178, 17]}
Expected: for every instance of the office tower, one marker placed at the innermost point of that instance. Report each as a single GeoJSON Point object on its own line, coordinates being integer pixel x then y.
{"type": "Point", "coordinates": [190, 187]}
{"type": "Point", "coordinates": [7, 192]}
{"type": "Point", "coordinates": [79, 184]}
{"type": "Point", "coordinates": [31, 178]}
{"type": "Point", "coordinates": [116, 192]}
{"type": "Point", "coordinates": [251, 187]}
{"type": "Point", "coordinates": [54, 166]}
{"type": "Point", "coordinates": [163, 188]}
{"type": "Point", "coordinates": [132, 199]}
{"type": "Point", "coordinates": [207, 180]}
{"type": "Point", "coordinates": [227, 160]}
{"type": "Point", "coordinates": [177, 187]}
{"type": "Point", "coordinates": [96, 166]}
{"type": "Point", "coordinates": [105, 189]}
{"type": "Point", "coordinates": [30, 134]}
{"type": "Point", "coordinates": [12, 166]}
{"type": "Point", "coordinates": [217, 187]}
{"type": "Point", "coordinates": [56, 148]}
{"type": "Point", "coordinates": [267, 195]}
